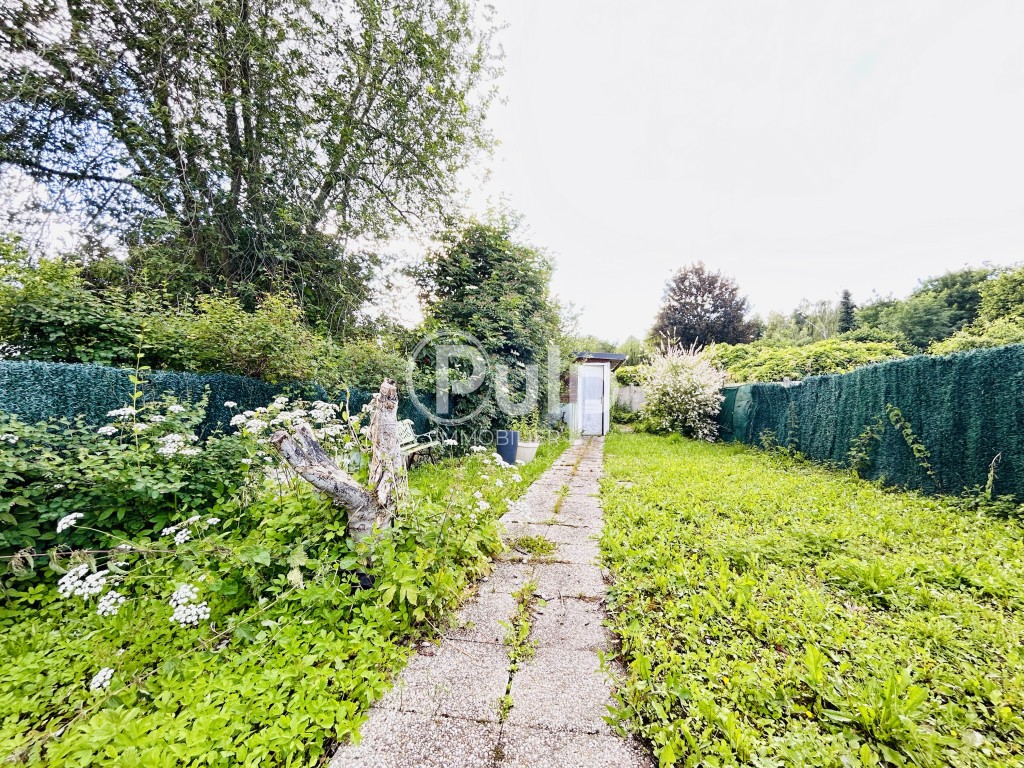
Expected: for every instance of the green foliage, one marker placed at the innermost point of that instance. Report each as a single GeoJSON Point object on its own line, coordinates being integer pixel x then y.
{"type": "Point", "coordinates": [937, 308]}
{"type": "Point", "coordinates": [761, 362]}
{"type": "Point", "coordinates": [485, 285]}
{"type": "Point", "coordinates": [1003, 297]}
{"type": "Point", "coordinates": [770, 612]}
{"type": "Point", "coordinates": [1000, 319]}
{"type": "Point", "coordinates": [127, 482]}
{"type": "Point", "coordinates": [629, 374]}
{"type": "Point", "coordinates": [294, 651]}
{"type": "Point", "coordinates": [682, 394]}
{"type": "Point", "coordinates": [50, 312]}
{"type": "Point", "coordinates": [862, 450]}
{"type": "Point", "coordinates": [637, 352]}
{"type": "Point", "coordinates": [985, 335]}
{"type": "Point", "coordinates": [702, 307]}
{"type": "Point", "coordinates": [920, 451]}
{"type": "Point", "coordinates": [847, 313]}
{"type": "Point", "coordinates": [227, 138]}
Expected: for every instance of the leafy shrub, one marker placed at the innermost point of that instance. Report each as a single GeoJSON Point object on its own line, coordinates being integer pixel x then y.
{"type": "Point", "coordinates": [132, 477]}
{"type": "Point", "coordinates": [628, 375]}
{"type": "Point", "coordinates": [982, 335]}
{"type": "Point", "coordinates": [240, 635]}
{"type": "Point", "coordinates": [756, 362]}
{"type": "Point", "coordinates": [683, 393]}
{"type": "Point", "coordinates": [50, 312]}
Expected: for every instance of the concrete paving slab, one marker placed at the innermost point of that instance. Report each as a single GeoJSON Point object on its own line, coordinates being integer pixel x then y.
{"type": "Point", "coordinates": [559, 534]}
{"type": "Point", "coordinates": [479, 621]}
{"type": "Point", "coordinates": [570, 580]}
{"type": "Point", "coordinates": [507, 577]}
{"type": "Point", "coordinates": [458, 679]}
{"type": "Point", "coordinates": [536, 748]}
{"type": "Point", "coordinates": [571, 624]}
{"type": "Point", "coordinates": [561, 690]}
{"type": "Point", "coordinates": [410, 740]}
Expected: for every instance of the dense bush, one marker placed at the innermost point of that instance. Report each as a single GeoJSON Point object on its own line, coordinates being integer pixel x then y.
{"type": "Point", "coordinates": [50, 312]}
{"type": "Point", "coordinates": [757, 362]}
{"type": "Point", "coordinates": [132, 477]}
{"type": "Point", "coordinates": [237, 635]}
{"type": "Point", "coordinates": [683, 393]}
{"type": "Point", "coordinates": [997, 333]}
{"type": "Point", "coordinates": [628, 375]}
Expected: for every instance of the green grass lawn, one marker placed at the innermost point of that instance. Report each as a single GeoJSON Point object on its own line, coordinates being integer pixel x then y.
{"type": "Point", "coordinates": [774, 613]}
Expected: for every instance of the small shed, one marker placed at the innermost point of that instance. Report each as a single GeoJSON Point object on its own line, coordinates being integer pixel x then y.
{"type": "Point", "coordinates": [590, 391]}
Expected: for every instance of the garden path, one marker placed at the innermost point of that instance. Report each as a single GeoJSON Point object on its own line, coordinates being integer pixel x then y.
{"type": "Point", "coordinates": [446, 711]}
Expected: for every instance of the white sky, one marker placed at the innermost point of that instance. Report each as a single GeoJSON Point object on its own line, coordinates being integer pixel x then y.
{"type": "Point", "coordinates": [801, 147]}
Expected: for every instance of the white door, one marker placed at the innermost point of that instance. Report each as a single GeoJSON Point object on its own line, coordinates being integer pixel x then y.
{"type": "Point", "coordinates": [592, 399]}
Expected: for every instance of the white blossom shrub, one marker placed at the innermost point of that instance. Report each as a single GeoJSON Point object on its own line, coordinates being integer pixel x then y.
{"type": "Point", "coordinates": [683, 393]}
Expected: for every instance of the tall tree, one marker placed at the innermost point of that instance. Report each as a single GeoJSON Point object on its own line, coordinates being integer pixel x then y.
{"type": "Point", "coordinates": [847, 312]}
{"type": "Point", "coordinates": [700, 306]}
{"type": "Point", "coordinates": [482, 283]}
{"type": "Point", "coordinates": [249, 137]}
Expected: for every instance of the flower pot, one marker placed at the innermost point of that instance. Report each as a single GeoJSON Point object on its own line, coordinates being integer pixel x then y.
{"type": "Point", "coordinates": [526, 452]}
{"type": "Point", "coordinates": [508, 442]}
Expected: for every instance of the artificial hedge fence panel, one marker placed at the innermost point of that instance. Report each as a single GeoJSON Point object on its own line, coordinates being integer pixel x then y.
{"type": "Point", "coordinates": [965, 408]}
{"type": "Point", "coordinates": [37, 391]}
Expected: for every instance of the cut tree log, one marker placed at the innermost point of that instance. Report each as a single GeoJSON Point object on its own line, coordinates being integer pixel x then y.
{"type": "Point", "coordinates": [366, 507]}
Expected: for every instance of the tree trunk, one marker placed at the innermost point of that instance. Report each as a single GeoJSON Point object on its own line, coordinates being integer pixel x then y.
{"type": "Point", "coordinates": [366, 507]}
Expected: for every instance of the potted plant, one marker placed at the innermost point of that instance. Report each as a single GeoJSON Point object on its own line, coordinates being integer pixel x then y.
{"type": "Point", "coordinates": [529, 434]}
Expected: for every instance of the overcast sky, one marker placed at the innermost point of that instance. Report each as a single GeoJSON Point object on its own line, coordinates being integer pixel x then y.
{"type": "Point", "coordinates": [802, 147]}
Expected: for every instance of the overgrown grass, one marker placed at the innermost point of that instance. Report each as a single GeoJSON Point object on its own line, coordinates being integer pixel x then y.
{"type": "Point", "coordinates": [774, 613]}
{"type": "Point", "coordinates": [283, 670]}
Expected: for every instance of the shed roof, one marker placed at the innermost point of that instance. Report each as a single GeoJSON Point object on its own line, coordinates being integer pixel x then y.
{"type": "Point", "coordinates": [613, 358]}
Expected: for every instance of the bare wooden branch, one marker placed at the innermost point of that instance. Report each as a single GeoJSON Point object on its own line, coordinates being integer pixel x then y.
{"type": "Point", "coordinates": [366, 507]}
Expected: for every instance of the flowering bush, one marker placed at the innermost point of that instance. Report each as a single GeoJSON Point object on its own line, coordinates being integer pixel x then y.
{"type": "Point", "coordinates": [132, 477]}
{"type": "Point", "coordinates": [683, 393]}
{"type": "Point", "coordinates": [245, 632]}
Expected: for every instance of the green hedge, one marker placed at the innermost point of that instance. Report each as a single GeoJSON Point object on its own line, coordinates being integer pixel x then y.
{"type": "Point", "coordinates": [37, 391]}
{"type": "Point", "coordinates": [965, 408]}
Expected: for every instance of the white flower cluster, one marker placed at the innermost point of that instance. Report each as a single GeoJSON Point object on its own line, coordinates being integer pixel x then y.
{"type": "Point", "coordinates": [175, 408]}
{"type": "Point", "coordinates": [182, 536]}
{"type": "Point", "coordinates": [188, 612]}
{"type": "Point", "coordinates": [108, 430]}
{"type": "Point", "coordinates": [156, 418]}
{"type": "Point", "coordinates": [79, 582]}
{"type": "Point", "coordinates": [175, 443]}
{"type": "Point", "coordinates": [449, 442]}
{"type": "Point", "coordinates": [110, 603]}
{"type": "Point", "coordinates": [477, 448]}
{"type": "Point", "coordinates": [101, 679]}
{"type": "Point", "coordinates": [68, 521]}
{"type": "Point", "coordinates": [683, 393]}
{"type": "Point", "coordinates": [213, 521]}
{"type": "Point", "coordinates": [230, 404]}
{"type": "Point", "coordinates": [322, 411]}
{"type": "Point", "coordinates": [9, 438]}
{"type": "Point", "coordinates": [121, 413]}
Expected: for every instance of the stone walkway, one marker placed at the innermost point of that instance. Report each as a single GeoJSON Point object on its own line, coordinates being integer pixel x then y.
{"type": "Point", "coordinates": [446, 710]}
